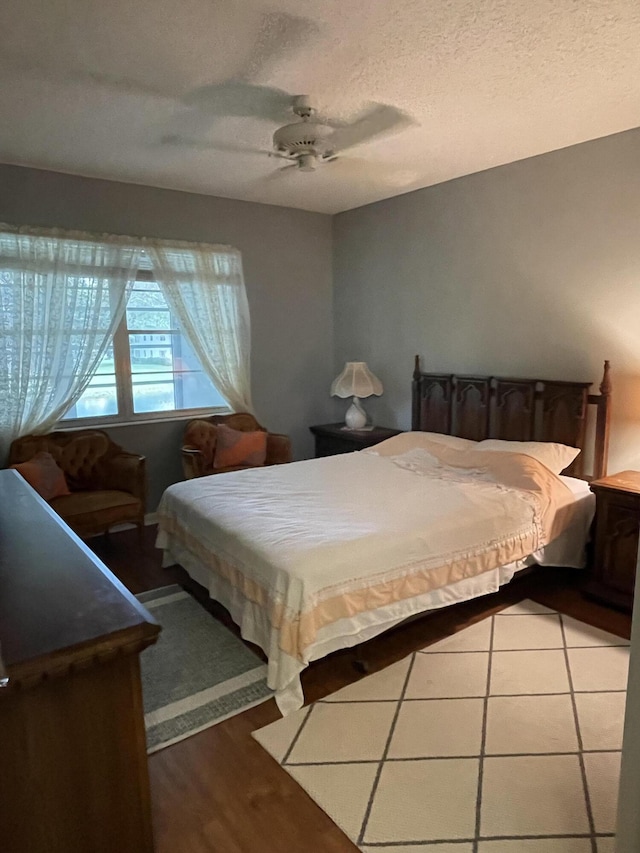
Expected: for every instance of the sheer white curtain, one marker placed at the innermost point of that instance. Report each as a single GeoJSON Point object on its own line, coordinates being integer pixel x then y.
{"type": "Point", "coordinates": [61, 297]}
{"type": "Point", "coordinates": [204, 287]}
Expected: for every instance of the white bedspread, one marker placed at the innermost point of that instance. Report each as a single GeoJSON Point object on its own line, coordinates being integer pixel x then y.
{"type": "Point", "coordinates": [301, 554]}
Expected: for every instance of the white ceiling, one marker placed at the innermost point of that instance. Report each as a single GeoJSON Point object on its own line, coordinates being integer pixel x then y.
{"type": "Point", "coordinates": [107, 88]}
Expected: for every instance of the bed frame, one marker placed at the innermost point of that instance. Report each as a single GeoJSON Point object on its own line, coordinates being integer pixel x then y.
{"type": "Point", "coordinates": [479, 407]}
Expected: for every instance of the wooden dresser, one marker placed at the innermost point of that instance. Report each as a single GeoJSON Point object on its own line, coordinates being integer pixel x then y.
{"type": "Point", "coordinates": [73, 763]}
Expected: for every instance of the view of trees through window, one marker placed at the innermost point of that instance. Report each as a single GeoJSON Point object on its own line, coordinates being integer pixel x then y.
{"type": "Point", "coordinates": [149, 366]}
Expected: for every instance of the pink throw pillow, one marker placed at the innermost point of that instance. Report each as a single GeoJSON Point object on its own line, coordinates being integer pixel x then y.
{"type": "Point", "coordinates": [44, 475]}
{"type": "Point", "coordinates": [234, 448]}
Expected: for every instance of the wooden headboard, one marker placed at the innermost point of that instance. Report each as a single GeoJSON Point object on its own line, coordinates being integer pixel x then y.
{"type": "Point", "coordinates": [479, 407]}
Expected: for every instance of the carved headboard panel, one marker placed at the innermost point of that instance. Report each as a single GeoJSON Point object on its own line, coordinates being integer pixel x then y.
{"type": "Point", "coordinates": [479, 407]}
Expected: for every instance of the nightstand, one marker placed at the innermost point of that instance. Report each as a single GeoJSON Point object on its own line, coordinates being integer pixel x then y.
{"type": "Point", "coordinates": [615, 546]}
{"type": "Point", "coordinates": [332, 438]}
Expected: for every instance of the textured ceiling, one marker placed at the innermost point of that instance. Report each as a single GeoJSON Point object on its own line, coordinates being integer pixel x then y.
{"type": "Point", "coordinates": [157, 91]}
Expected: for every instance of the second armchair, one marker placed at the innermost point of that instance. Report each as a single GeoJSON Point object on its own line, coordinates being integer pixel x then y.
{"type": "Point", "coordinates": [201, 454]}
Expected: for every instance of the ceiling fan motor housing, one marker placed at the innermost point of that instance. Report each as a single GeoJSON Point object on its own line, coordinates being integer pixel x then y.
{"type": "Point", "coordinates": [303, 137]}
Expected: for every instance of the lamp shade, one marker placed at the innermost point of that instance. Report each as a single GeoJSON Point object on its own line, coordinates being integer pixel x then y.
{"type": "Point", "coordinates": [356, 380]}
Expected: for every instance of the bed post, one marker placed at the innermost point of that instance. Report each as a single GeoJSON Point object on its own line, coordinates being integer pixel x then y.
{"type": "Point", "coordinates": [415, 395]}
{"type": "Point", "coordinates": [602, 401]}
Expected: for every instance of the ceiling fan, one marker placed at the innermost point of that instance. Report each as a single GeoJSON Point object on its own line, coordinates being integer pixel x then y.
{"type": "Point", "coordinates": [310, 141]}
{"type": "Point", "coordinates": [307, 142]}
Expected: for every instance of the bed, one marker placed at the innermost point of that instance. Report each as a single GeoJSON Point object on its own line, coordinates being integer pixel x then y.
{"type": "Point", "coordinates": [327, 553]}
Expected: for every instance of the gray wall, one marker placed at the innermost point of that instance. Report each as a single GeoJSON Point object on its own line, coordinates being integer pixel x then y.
{"type": "Point", "coordinates": [528, 269]}
{"type": "Point", "coordinates": [287, 263]}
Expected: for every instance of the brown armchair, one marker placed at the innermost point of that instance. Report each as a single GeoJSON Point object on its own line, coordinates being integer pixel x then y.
{"type": "Point", "coordinates": [107, 484]}
{"type": "Point", "coordinates": [199, 449]}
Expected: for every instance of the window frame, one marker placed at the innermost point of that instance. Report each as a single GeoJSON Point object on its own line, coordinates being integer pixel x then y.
{"type": "Point", "coordinates": [126, 416]}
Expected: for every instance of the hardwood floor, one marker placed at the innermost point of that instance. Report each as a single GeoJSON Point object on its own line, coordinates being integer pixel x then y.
{"type": "Point", "coordinates": [218, 791]}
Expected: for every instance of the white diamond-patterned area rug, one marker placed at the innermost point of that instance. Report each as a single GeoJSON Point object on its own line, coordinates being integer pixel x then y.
{"type": "Point", "coordinates": [503, 738]}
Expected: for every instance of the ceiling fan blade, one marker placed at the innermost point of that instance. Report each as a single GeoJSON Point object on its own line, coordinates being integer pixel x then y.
{"type": "Point", "coordinates": [240, 99]}
{"type": "Point", "coordinates": [378, 120]}
{"type": "Point", "coordinates": [279, 33]}
{"type": "Point", "coordinates": [70, 74]}
{"type": "Point", "coordinates": [178, 141]}
{"type": "Point", "coordinates": [275, 34]}
{"type": "Point", "coordinates": [278, 173]}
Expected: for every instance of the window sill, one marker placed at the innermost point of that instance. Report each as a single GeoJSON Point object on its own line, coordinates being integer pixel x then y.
{"type": "Point", "coordinates": [105, 423]}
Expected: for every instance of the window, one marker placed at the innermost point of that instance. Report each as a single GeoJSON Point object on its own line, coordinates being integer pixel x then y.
{"type": "Point", "coordinates": [149, 369]}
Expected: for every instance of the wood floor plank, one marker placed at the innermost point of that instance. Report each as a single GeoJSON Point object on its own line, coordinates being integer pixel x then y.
{"type": "Point", "coordinates": [219, 791]}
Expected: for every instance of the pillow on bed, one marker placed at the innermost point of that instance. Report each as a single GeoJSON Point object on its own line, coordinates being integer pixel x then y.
{"type": "Point", "coordinates": [405, 441]}
{"type": "Point", "coordinates": [235, 448]}
{"type": "Point", "coordinates": [556, 457]}
{"type": "Point", "coordinates": [44, 475]}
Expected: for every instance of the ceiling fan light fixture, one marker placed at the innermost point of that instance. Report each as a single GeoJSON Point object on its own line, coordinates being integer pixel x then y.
{"type": "Point", "coordinates": [307, 162]}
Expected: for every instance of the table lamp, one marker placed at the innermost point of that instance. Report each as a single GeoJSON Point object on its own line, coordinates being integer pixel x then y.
{"type": "Point", "coordinates": [357, 381]}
